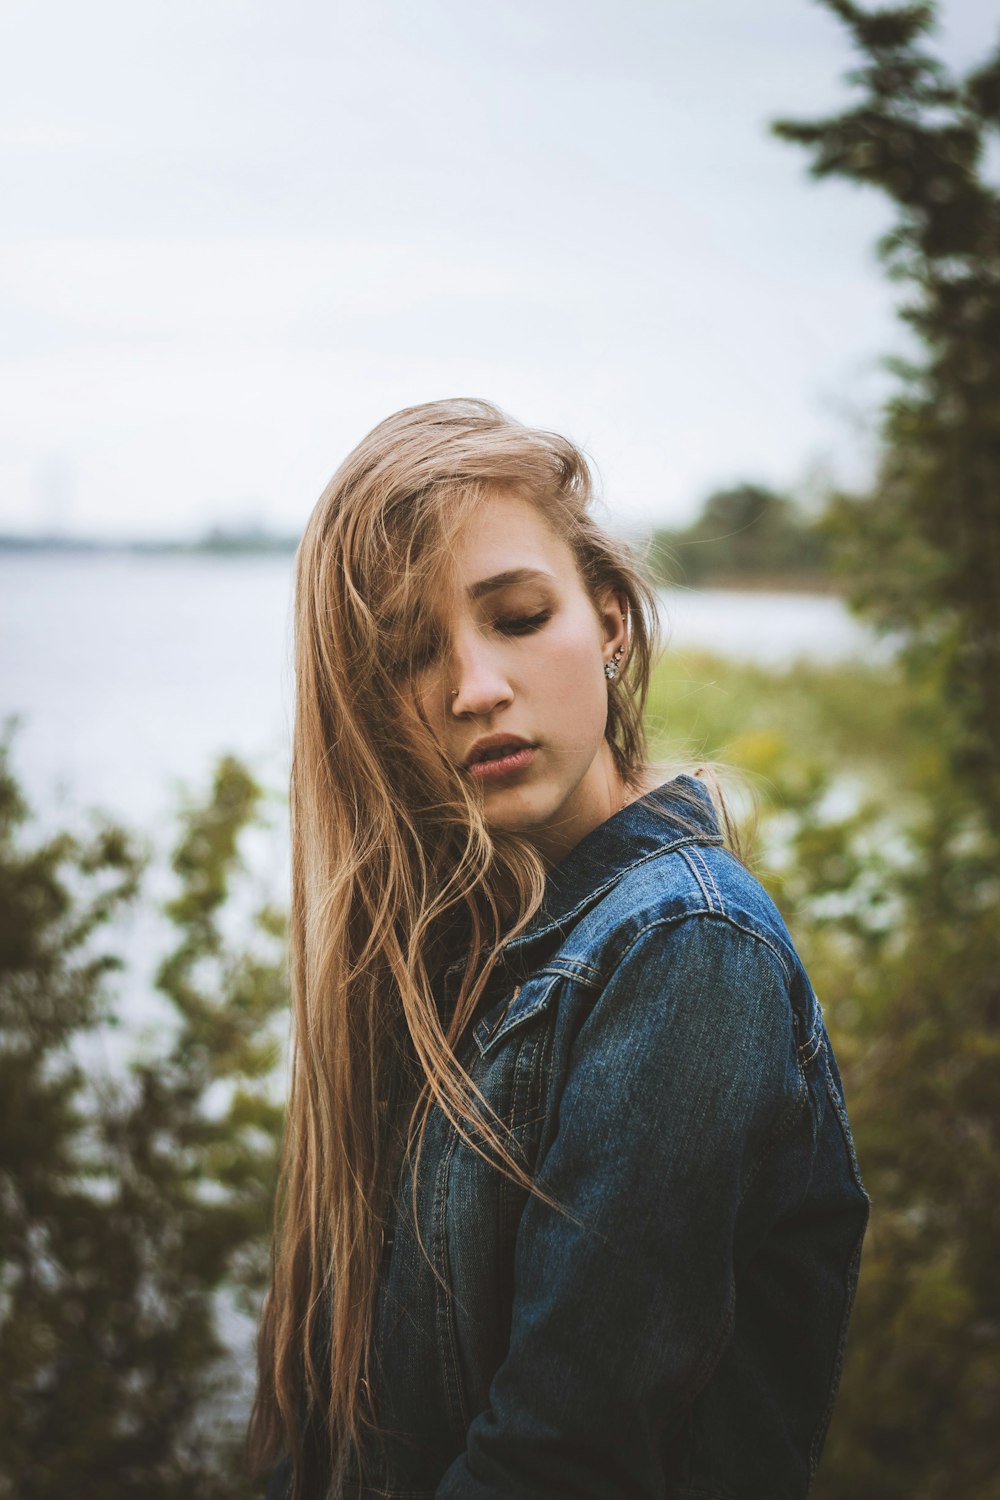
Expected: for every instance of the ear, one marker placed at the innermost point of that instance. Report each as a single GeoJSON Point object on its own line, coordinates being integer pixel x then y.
{"type": "Point", "coordinates": [612, 611]}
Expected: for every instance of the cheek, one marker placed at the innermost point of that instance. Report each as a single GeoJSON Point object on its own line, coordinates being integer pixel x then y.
{"type": "Point", "coordinates": [571, 680]}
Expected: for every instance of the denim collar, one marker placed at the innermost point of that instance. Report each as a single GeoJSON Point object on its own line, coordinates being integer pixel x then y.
{"type": "Point", "coordinates": [678, 812]}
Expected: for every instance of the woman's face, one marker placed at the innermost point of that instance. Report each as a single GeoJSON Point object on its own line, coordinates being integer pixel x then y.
{"type": "Point", "coordinates": [523, 657]}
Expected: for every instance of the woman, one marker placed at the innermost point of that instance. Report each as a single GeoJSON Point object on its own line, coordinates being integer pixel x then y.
{"type": "Point", "coordinates": [569, 1203]}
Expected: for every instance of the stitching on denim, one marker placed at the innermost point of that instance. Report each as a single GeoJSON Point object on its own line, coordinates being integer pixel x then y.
{"type": "Point", "coordinates": [485, 1039]}
{"type": "Point", "coordinates": [686, 857]}
{"type": "Point", "coordinates": [765, 941]}
{"type": "Point", "coordinates": [675, 919]}
{"type": "Point", "coordinates": [519, 1094]}
{"type": "Point", "coordinates": [570, 967]}
{"type": "Point", "coordinates": [695, 853]}
{"type": "Point", "coordinates": [485, 1031]}
{"type": "Point", "coordinates": [543, 1090]}
{"type": "Point", "coordinates": [592, 981]}
{"type": "Point", "coordinates": [815, 1042]}
{"type": "Point", "coordinates": [451, 1369]}
{"type": "Point", "coordinates": [840, 1109]}
{"type": "Point", "coordinates": [489, 1030]}
{"type": "Point", "coordinates": [593, 896]}
{"type": "Point", "coordinates": [486, 1036]}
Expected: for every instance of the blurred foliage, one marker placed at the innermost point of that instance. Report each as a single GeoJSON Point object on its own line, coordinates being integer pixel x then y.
{"type": "Point", "coordinates": [922, 549]}
{"type": "Point", "coordinates": [744, 535]}
{"type": "Point", "coordinates": [887, 872]}
{"type": "Point", "coordinates": [129, 1203]}
{"type": "Point", "coordinates": [921, 1022]}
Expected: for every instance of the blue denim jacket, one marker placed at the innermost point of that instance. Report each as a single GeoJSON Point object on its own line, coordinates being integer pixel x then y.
{"type": "Point", "coordinates": [655, 1045]}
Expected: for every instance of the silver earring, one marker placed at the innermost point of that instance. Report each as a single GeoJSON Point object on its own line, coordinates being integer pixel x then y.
{"type": "Point", "coordinates": [611, 667]}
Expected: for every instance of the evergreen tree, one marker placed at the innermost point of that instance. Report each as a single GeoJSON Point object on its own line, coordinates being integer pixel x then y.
{"type": "Point", "coordinates": [916, 1417]}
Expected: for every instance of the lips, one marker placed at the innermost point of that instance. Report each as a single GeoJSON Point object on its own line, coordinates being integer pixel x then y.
{"type": "Point", "coordinates": [510, 760]}
{"type": "Point", "coordinates": [496, 747]}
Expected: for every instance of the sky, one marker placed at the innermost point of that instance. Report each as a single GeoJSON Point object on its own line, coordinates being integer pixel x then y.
{"type": "Point", "coordinates": [235, 235]}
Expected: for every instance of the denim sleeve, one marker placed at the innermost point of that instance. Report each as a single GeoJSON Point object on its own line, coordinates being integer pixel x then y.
{"type": "Point", "coordinates": [677, 1080]}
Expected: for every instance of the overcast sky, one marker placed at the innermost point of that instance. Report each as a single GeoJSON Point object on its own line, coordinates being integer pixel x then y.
{"type": "Point", "coordinates": [234, 235]}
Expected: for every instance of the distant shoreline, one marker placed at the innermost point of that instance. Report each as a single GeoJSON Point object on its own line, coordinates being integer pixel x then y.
{"type": "Point", "coordinates": [761, 583]}
{"type": "Point", "coordinates": [86, 546]}
{"type": "Point", "coordinates": [277, 546]}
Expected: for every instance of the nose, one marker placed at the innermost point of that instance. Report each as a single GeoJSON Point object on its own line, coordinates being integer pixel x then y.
{"type": "Point", "coordinates": [479, 684]}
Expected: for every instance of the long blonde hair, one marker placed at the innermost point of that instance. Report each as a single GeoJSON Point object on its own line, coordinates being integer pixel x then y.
{"type": "Point", "coordinates": [393, 871]}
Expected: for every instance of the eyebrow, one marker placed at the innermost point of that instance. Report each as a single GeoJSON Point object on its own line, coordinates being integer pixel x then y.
{"type": "Point", "coordinates": [506, 579]}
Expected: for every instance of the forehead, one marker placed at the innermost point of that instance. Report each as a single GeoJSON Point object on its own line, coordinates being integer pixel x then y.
{"type": "Point", "coordinates": [506, 541]}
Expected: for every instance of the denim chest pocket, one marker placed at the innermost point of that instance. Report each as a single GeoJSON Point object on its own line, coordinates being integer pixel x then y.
{"type": "Point", "coordinates": [526, 1002]}
{"type": "Point", "coordinates": [508, 1056]}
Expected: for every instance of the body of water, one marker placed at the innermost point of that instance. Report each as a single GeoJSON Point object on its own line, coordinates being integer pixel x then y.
{"type": "Point", "coordinates": [132, 673]}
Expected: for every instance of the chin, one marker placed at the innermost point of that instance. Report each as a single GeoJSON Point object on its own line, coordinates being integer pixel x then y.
{"type": "Point", "coordinates": [516, 809]}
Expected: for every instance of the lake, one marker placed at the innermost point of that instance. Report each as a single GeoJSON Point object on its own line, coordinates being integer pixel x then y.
{"type": "Point", "coordinates": [131, 673]}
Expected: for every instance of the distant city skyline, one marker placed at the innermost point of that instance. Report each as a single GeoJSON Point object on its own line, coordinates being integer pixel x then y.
{"type": "Point", "coordinates": [236, 236]}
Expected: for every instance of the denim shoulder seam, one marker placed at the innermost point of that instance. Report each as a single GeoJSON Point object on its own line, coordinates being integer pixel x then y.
{"type": "Point", "coordinates": [674, 919]}
{"type": "Point", "coordinates": [593, 897]}
{"type": "Point", "coordinates": [700, 869]}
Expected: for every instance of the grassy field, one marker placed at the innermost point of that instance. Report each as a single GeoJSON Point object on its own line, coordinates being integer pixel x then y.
{"type": "Point", "coordinates": [847, 717]}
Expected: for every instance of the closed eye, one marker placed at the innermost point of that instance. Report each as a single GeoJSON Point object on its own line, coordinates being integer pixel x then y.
{"type": "Point", "coordinates": [424, 653]}
{"type": "Point", "coordinates": [523, 624]}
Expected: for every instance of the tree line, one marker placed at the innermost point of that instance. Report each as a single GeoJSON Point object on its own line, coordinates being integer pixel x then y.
{"type": "Point", "coordinates": [746, 535]}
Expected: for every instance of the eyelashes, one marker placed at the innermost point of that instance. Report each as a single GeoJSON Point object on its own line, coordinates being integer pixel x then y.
{"type": "Point", "coordinates": [422, 656]}
{"type": "Point", "coordinates": [523, 624]}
